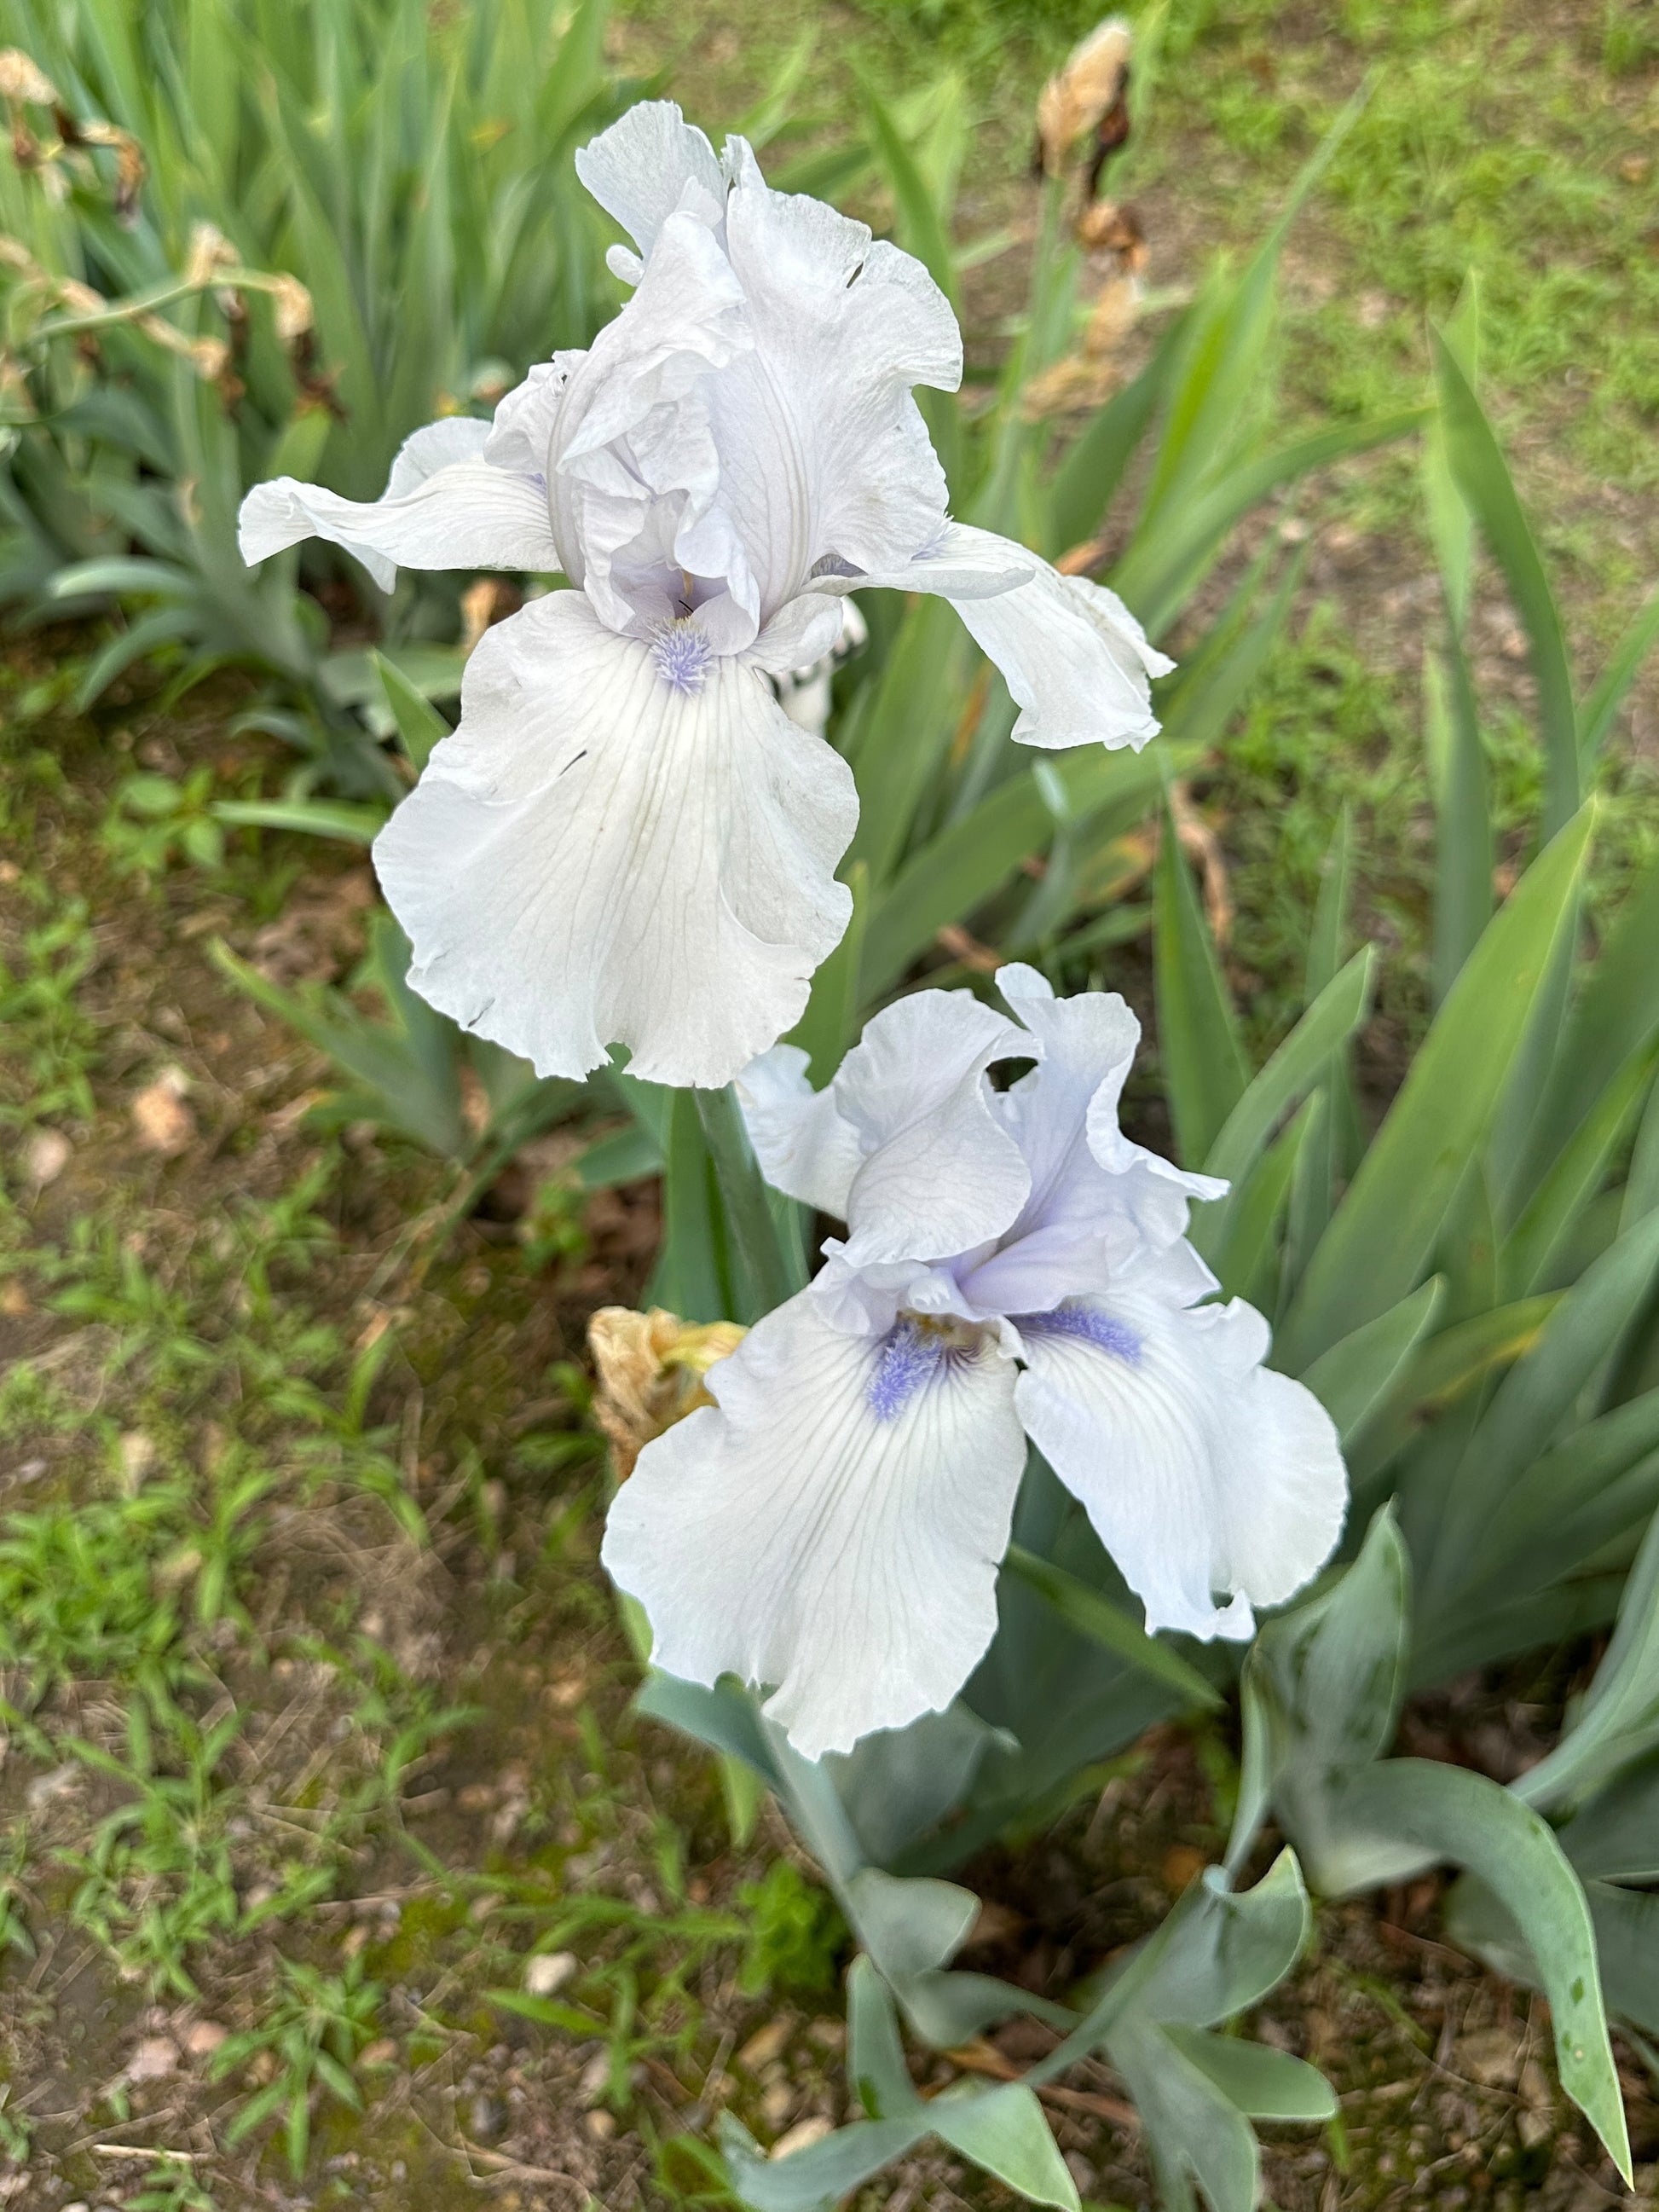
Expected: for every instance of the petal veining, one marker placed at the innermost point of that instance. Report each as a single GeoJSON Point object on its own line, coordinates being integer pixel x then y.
{"type": "Point", "coordinates": [1075, 659]}
{"type": "Point", "coordinates": [824, 451]}
{"type": "Point", "coordinates": [804, 1146]}
{"type": "Point", "coordinates": [796, 1536]}
{"type": "Point", "coordinates": [939, 1173]}
{"type": "Point", "coordinates": [444, 506]}
{"type": "Point", "coordinates": [1065, 1116]}
{"type": "Point", "coordinates": [1215, 1484]}
{"type": "Point", "coordinates": [636, 476]}
{"type": "Point", "coordinates": [638, 169]}
{"type": "Point", "coordinates": [598, 855]}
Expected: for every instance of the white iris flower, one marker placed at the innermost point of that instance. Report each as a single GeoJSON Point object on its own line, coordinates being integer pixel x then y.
{"type": "Point", "coordinates": [1015, 1267]}
{"type": "Point", "coordinates": [627, 839]}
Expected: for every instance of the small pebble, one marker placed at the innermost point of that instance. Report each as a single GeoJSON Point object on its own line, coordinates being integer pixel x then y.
{"type": "Point", "coordinates": [548, 1972]}
{"type": "Point", "coordinates": [486, 2118]}
{"type": "Point", "coordinates": [156, 2057]}
{"type": "Point", "coordinates": [595, 2077]}
{"type": "Point", "coordinates": [161, 1119]}
{"type": "Point", "coordinates": [765, 2044]}
{"type": "Point", "coordinates": [47, 1156]}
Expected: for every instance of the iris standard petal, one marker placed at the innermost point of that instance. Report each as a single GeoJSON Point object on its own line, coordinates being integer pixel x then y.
{"type": "Point", "coordinates": [1073, 657]}
{"type": "Point", "coordinates": [638, 169]}
{"type": "Point", "coordinates": [444, 506]}
{"type": "Point", "coordinates": [1203, 1472]}
{"type": "Point", "coordinates": [940, 1174]}
{"type": "Point", "coordinates": [623, 842]}
{"type": "Point", "coordinates": [521, 431]}
{"type": "Point", "coordinates": [804, 1148]}
{"type": "Point", "coordinates": [636, 473]}
{"type": "Point", "coordinates": [1065, 1115]}
{"type": "Point", "coordinates": [831, 1529]}
{"type": "Point", "coordinates": [823, 452]}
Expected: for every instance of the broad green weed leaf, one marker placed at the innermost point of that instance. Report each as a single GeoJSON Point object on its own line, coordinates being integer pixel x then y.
{"type": "Point", "coordinates": [1003, 2130]}
{"type": "Point", "coordinates": [1450, 1812]}
{"type": "Point", "coordinates": [1265, 2083]}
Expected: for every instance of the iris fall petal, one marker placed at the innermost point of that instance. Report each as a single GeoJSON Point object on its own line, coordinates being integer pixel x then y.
{"type": "Point", "coordinates": [601, 852]}
{"type": "Point", "coordinates": [829, 1529]}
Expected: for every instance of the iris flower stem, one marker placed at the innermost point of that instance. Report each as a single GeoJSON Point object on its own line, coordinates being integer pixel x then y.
{"type": "Point", "coordinates": [748, 1209]}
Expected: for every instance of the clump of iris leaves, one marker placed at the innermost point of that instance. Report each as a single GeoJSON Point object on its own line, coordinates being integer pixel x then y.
{"type": "Point", "coordinates": [1467, 1273]}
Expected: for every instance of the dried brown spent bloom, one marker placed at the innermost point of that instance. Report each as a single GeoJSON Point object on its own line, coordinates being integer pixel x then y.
{"type": "Point", "coordinates": [130, 168]}
{"type": "Point", "coordinates": [651, 1367]}
{"type": "Point", "coordinates": [20, 79]}
{"type": "Point", "coordinates": [210, 251]}
{"type": "Point", "coordinates": [1112, 228]}
{"type": "Point", "coordinates": [482, 603]}
{"type": "Point", "coordinates": [292, 304]}
{"type": "Point", "coordinates": [1087, 97]}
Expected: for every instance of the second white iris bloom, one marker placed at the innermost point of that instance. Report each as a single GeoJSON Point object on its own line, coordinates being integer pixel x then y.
{"type": "Point", "coordinates": [831, 1528]}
